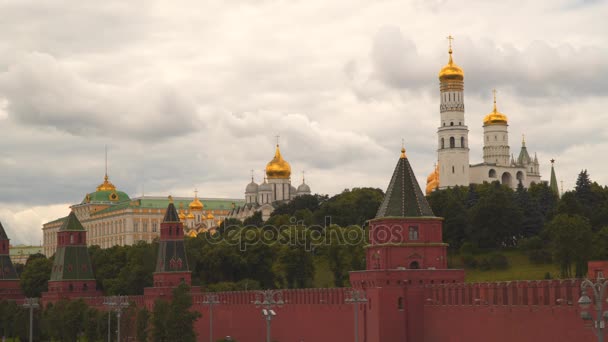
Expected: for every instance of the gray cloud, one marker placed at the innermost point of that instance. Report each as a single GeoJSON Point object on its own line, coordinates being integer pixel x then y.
{"type": "Point", "coordinates": [40, 91]}
{"type": "Point", "coordinates": [537, 70]}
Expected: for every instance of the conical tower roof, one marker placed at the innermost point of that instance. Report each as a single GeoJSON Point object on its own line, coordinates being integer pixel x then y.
{"type": "Point", "coordinates": [71, 223]}
{"type": "Point", "coordinates": [171, 213]}
{"type": "Point", "coordinates": [553, 181]}
{"type": "Point", "coordinates": [404, 198]}
{"type": "Point", "coordinates": [3, 235]}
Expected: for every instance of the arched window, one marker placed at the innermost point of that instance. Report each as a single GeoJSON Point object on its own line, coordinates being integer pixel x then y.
{"type": "Point", "coordinates": [400, 303]}
{"type": "Point", "coordinates": [492, 173]}
{"type": "Point", "coordinates": [85, 287]}
{"type": "Point", "coordinates": [462, 142]}
{"type": "Point", "coordinates": [414, 265]}
{"type": "Point", "coordinates": [453, 170]}
{"type": "Point", "coordinates": [452, 142]}
{"type": "Point", "coordinates": [451, 123]}
{"type": "Point", "coordinates": [442, 143]}
{"type": "Point", "coordinates": [71, 239]}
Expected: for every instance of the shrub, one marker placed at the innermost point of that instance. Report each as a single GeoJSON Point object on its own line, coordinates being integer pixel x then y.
{"type": "Point", "coordinates": [468, 248]}
{"type": "Point", "coordinates": [484, 264]}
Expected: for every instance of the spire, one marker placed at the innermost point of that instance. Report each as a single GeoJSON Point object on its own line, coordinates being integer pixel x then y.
{"type": "Point", "coordinates": [451, 72]}
{"type": "Point", "coordinates": [450, 38]}
{"type": "Point", "coordinates": [553, 181]}
{"type": "Point", "coordinates": [524, 158]}
{"type": "Point", "coordinates": [404, 198]}
{"type": "Point", "coordinates": [3, 235]}
{"type": "Point", "coordinates": [106, 185]}
{"type": "Point", "coordinates": [495, 109]}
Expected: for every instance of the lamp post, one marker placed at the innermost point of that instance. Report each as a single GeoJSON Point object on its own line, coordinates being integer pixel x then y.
{"type": "Point", "coordinates": [267, 300]}
{"type": "Point", "coordinates": [598, 291]}
{"type": "Point", "coordinates": [211, 300]}
{"type": "Point", "coordinates": [31, 303]}
{"type": "Point", "coordinates": [115, 303]}
{"type": "Point", "coordinates": [356, 297]}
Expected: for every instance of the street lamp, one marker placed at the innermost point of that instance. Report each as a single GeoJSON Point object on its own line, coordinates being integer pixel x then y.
{"type": "Point", "coordinates": [267, 300]}
{"type": "Point", "coordinates": [356, 297]}
{"type": "Point", "coordinates": [31, 303]}
{"type": "Point", "coordinates": [601, 316]}
{"type": "Point", "coordinates": [115, 303]}
{"type": "Point", "coordinates": [211, 300]}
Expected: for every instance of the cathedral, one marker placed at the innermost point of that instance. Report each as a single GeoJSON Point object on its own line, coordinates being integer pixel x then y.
{"type": "Point", "coordinates": [453, 167]}
{"type": "Point", "coordinates": [275, 190]}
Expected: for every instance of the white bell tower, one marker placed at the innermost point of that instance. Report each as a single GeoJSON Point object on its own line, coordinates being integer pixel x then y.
{"type": "Point", "coordinates": [452, 134]}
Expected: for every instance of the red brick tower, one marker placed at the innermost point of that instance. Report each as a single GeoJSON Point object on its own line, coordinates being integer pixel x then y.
{"type": "Point", "coordinates": [406, 252]}
{"type": "Point", "coordinates": [171, 262]}
{"type": "Point", "coordinates": [9, 281]}
{"type": "Point", "coordinates": [72, 273]}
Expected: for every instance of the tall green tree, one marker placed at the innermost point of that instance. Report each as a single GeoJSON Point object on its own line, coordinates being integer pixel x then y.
{"type": "Point", "coordinates": [571, 241]}
{"type": "Point", "coordinates": [142, 325]}
{"type": "Point", "coordinates": [180, 325]}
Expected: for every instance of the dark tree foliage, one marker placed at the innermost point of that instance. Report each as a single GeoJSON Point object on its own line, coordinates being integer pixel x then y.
{"type": "Point", "coordinates": [571, 242]}
{"type": "Point", "coordinates": [351, 207]}
{"type": "Point", "coordinates": [255, 220]}
{"type": "Point", "coordinates": [174, 321]}
{"type": "Point", "coordinates": [310, 202]}
{"type": "Point", "coordinates": [546, 199]}
{"type": "Point", "coordinates": [142, 325]}
{"type": "Point", "coordinates": [35, 277]}
{"type": "Point", "coordinates": [532, 218]}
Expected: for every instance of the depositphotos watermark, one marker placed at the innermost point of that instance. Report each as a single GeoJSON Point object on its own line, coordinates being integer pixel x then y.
{"type": "Point", "coordinates": [296, 233]}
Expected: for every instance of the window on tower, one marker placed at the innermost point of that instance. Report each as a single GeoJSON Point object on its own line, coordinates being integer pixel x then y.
{"type": "Point", "coordinates": [452, 142]}
{"type": "Point", "coordinates": [413, 233]}
{"type": "Point", "coordinates": [452, 123]}
{"type": "Point", "coordinates": [462, 142]}
{"type": "Point", "coordinates": [442, 143]}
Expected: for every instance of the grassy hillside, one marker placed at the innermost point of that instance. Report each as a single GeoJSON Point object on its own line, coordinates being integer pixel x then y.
{"type": "Point", "coordinates": [519, 268]}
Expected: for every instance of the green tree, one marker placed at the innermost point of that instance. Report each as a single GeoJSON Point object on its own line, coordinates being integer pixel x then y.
{"type": "Point", "coordinates": [35, 276]}
{"type": "Point", "coordinates": [160, 317]}
{"type": "Point", "coordinates": [571, 241]}
{"type": "Point", "coordinates": [180, 325]}
{"type": "Point", "coordinates": [141, 329]}
{"type": "Point", "coordinates": [351, 207]}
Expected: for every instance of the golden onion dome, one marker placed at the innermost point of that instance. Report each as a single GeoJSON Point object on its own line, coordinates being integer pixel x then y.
{"type": "Point", "coordinates": [278, 167]}
{"type": "Point", "coordinates": [432, 181]}
{"type": "Point", "coordinates": [196, 204]}
{"type": "Point", "coordinates": [106, 185]}
{"type": "Point", "coordinates": [451, 72]}
{"type": "Point", "coordinates": [190, 216]}
{"type": "Point", "coordinates": [192, 233]}
{"type": "Point", "coordinates": [496, 117]}
{"type": "Point", "coordinates": [181, 214]}
{"type": "Point", "coordinates": [210, 216]}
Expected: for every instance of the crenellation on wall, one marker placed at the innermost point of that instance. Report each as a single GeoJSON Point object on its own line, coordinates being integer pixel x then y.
{"type": "Point", "coordinates": [534, 293]}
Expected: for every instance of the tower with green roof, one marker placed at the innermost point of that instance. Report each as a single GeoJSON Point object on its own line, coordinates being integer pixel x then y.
{"type": "Point", "coordinates": [405, 253]}
{"type": "Point", "coordinates": [72, 275]}
{"type": "Point", "coordinates": [9, 280]}
{"type": "Point", "coordinates": [553, 181]}
{"type": "Point", "coordinates": [171, 259]}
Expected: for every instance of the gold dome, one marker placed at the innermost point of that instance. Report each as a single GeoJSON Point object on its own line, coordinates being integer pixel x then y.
{"type": "Point", "coordinates": [192, 233]}
{"type": "Point", "coordinates": [196, 204]}
{"type": "Point", "coordinates": [181, 215]}
{"type": "Point", "coordinates": [210, 216]}
{"type": "Point", "coordinates": [278, 167]}
{"type": "Point", "coordinates": [106, 185]}
{"type": "Point", "coordinates": [496, 117]}
{"type": "Point", "coordinates": [432, 181]}
{"type": "Point", "coordinates": [190, 216]}
{"type": "Point", "coordinates": [451, 72]}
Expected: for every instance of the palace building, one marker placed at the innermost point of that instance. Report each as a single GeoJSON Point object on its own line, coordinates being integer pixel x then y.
{"type": "Point", "coordinates": [499, 164]}
{"type": "Point", "coordinates": [275, 190]}
{"type": "Point", "coordinates": [112, 218]}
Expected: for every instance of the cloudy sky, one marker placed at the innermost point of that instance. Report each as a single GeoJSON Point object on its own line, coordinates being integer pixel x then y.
{"type": "Point", "coordinates": [191, 93]}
